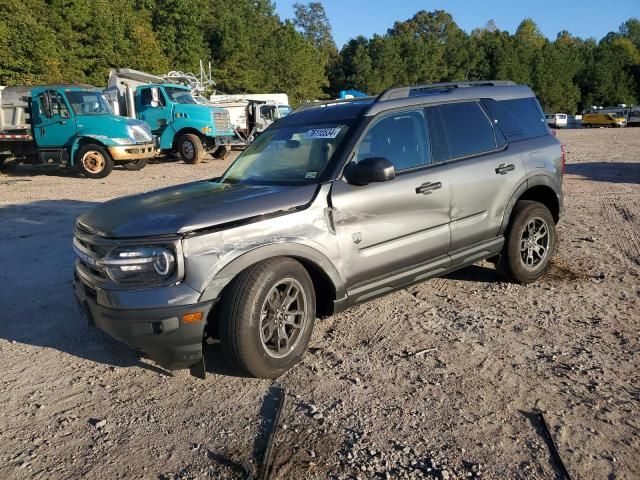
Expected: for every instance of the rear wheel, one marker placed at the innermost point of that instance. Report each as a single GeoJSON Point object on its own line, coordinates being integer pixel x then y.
{"type": "Point", "coordinates": [94, 161]}
{"type": "Point", "coordinates": [267, 315]}
{"type": "Point", "coordinates": [529, 244]}
{"type": "Point", "coordinates": [136, 164]}
{"type": "Point", "coordinates": [190, 148]}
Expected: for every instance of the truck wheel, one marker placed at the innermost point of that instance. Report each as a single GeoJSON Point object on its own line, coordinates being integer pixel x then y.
{"type": "Point", "coordinates": [136, 164]}
{"type": "Point", "coordinates": [266, 317]}
{"type": "Point", "coordinates": [190, 148]}
{"type": "Point", "coordinates": [529, 244]}
{"type": "Point", "coordinates": [94, 161]}
{"type": "Point", "coordinates": [221, 152]}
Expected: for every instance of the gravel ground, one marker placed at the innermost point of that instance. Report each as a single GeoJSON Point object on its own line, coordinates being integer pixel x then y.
{"type": "Point", "coordinates": [360, 405]}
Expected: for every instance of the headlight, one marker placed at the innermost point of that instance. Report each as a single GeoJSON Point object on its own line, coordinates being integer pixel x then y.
{"type": "Point", "coordinates": [142, 266]}
{"type": "Point", "coordinates": [138, 134]}
{"type": "Point", "coordinates": [123, 141]}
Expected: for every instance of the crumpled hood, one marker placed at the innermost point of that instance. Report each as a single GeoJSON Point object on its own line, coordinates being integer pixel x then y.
{"type": "Point", "coordinates": [190, 207]}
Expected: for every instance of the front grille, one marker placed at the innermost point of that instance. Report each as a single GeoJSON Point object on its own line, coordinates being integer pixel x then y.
{"type": "Point", "coordinates": [89, 249]}
{"type": "Point", "coordinates": [221, 121]}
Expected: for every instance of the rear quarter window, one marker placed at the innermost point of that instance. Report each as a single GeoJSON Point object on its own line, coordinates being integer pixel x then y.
{"type": "Point", "coordinates": [519, 119]}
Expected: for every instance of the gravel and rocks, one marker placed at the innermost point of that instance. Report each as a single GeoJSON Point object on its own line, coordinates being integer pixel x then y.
{"type": "Point", "coordinates": [362, 404]}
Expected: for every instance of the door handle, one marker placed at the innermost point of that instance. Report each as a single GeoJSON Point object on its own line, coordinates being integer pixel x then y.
{"type": "Point", "coordinates": [427, 188]}
{"type": "Point", "coordinates": [504, 169]}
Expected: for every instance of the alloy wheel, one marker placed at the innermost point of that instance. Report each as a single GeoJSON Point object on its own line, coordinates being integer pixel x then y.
{"type": "Point", "coordinates": [534, 243]}
{"type": "Point", "coordinates": [283, 317]}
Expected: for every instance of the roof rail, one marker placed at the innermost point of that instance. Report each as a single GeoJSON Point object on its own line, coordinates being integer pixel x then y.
{"type": "Point", "coordinates": [327, 103]}
{"type": "Point", "coordinates": [404, 92]}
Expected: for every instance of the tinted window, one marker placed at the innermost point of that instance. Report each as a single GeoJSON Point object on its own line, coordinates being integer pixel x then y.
{"type": "Point", "coordinates": [518, 119]}
{"type": "Point", "coordinates": [468, 129]}
{"type": "Point", "coordinates": [145, 96]}
{"type": "Point", "coordinates": [401, 138]}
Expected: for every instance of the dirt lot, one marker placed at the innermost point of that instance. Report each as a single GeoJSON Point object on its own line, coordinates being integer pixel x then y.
{"type": "Point", "coordinates": [77, 404]}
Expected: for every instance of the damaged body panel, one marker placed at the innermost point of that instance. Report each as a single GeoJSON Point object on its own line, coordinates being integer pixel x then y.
{"type": "Point", "coordinates": [333, 205]}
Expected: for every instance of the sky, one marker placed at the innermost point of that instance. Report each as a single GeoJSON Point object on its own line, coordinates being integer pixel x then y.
{"type": "Point", "coordinates": [583, 18]}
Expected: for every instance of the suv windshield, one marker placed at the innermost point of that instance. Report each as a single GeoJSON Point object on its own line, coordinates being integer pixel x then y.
{"type": "Point", "coordinates": [287, 155]}
{"type": "Point", "coordinates": [88, 103]}
{"type": "Point", "coordinates": [179, 95]}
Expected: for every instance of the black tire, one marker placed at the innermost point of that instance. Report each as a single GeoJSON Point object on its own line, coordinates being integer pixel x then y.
{"type": "Point", "coordinates": [221, 152]}
{"type": "Point", "coordinates": [243, 325]}
{"type": "Point", "coordinates": [94, 161]}
{"type": "Point", "coordinates": [136, 164]}
{"type": "Point", "coordinates": [190, 148]}
{"type": "Point", "coordinates": [514, 260]}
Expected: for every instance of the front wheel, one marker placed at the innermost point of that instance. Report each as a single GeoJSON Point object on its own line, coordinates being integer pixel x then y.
{"type": "Point", "coordinates": [135, 164]}
{"type": "Point", "coordinates": [94, 161]}
{"type": "Point", "coordinates": [266, 317]}
{"type": "Point", "coordinates": [529, 244]}
{"type": "Point", "coordinates": [190, 148]}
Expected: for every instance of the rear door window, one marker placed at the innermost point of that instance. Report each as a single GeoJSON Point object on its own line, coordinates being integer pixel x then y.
{"type": "Point", "coordinates": [468, 129]}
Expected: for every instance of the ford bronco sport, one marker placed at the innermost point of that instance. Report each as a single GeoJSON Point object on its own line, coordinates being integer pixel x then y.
{"type": "Point", "coordinates": [335, 204]}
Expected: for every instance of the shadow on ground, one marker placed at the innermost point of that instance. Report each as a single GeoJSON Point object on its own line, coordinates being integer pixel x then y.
{"type": "Point", "coordinates": [36, 288]}
{"type": "Point", "coordinates": [613, 172]}
{"type": "Point", "coordinates": [36, 284]}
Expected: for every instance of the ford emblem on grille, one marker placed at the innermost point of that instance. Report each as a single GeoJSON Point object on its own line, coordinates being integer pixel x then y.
{"type": "Point", "coordinates": [84, 257]}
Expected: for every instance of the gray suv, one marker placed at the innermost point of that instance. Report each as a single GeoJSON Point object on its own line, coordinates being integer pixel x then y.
{"type": "Point", "coordinates": [337, 203]}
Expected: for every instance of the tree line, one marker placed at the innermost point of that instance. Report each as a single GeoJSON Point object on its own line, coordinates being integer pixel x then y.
{"type": "Point", "coordinates": [253, 50]}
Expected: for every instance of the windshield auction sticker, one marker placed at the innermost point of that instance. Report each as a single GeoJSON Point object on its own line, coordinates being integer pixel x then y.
{"type": "Point", "coordinates": [323, 132]}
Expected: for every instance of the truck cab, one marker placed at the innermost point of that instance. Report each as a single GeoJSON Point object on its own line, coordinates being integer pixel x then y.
{"type": "Point", "coordinates": [182, 124]}
{"type": "Point", "coordinates": [70, 125]}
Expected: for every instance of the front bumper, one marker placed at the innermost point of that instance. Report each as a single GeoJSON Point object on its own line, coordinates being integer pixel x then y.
{"type": "Point", "coordinates": [160, 333]}
{"type": "Point", "coordinates": [133, 152]}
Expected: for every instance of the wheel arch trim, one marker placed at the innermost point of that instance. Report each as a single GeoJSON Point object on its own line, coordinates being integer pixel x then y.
{"type": "Point", "coordinates": [82, 140]}
{"type": "Point", "coordinates": [302, 253]}
{"type": "Point", "coordinates": [526, 185]}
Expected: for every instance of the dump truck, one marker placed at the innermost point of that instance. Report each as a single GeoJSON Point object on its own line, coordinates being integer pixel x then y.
{"type": "Point", "coordinates": [70, 125]}
{"type": "Point", "coordinates": [182, 125]}
{"type": "Point", "coordinates": [251, 114]}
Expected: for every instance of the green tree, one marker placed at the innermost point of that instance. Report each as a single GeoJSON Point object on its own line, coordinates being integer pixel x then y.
{"type": "Point", "coordinates": [29, 53]}
{"type": "Point", "coordinates": [178, 27]}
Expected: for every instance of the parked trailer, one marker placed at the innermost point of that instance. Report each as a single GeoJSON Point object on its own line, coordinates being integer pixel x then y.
{"type": "Point", "coordinates": [251, 114]}
{"type": "Point", "coordinates": [183, 126]}
{"type": "Point", "coordinates": [70, 125]}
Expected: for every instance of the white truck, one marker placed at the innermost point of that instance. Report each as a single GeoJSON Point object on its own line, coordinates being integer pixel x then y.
{"type": "Point", "coordinates": [556, 120]}
{"type": "Point", "coordinates": [251, 114]}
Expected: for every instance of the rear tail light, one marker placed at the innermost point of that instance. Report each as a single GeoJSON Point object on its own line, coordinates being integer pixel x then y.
{"type": "Point", "coordinates": [564, 159]}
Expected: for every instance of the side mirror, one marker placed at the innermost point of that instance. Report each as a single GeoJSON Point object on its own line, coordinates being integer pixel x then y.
{"type": "Point", "coordinates": [46, 105]}
{"type": "Point", "coordinates": [155, 97]}
{"type": "Point", "coordinates": [155, 104]}
{"type": "Point", "coordinates": [64, 113]}
{"type": "Point", "coordinates": [369, 170]}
